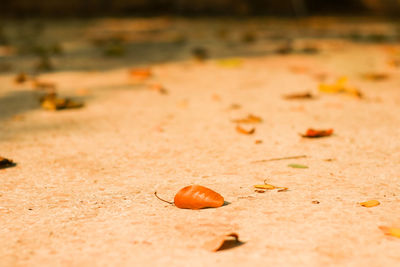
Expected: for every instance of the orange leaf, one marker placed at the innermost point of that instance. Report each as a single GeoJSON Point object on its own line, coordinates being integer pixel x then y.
{"type": "Point", "coordinates": [312, 133]}
{"type": "Point", "coordinates": [223, 242]}
{"type": "Point", "coordinates": [370, 203]}
{"type": "Point", "coordinates": [196, 197]}
{"type": "Point", "coordinates": [244, 131]}
{"type": "Point", "coordinates": [140, 73]}
{"type": "Point", "coordinates": [392, 231]}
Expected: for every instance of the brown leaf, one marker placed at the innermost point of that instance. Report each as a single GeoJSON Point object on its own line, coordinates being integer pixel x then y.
{"type": "Point", "coordinates": [312, 133]}
{"type": "Point", "coordinates": [370, 203]}
{"type": "Point", "coordinates": [52, 102]}
{"type": "Point", "coordinates": [244, 131]}
{"type": "Point", "coordinates": [257, 142]}
{"type": "Point", "coordinates": [6, 163]}
{"type": "Point", "coordinates": [21, 78]}
{"type": "Point", "coordinates": [223, 242]}
{"type": "Point", "coordinates": [249, 119]}
{"type": "Point", "coordinates": [306, 95]}
{"type": "Point", "coordinates": [375, 76]}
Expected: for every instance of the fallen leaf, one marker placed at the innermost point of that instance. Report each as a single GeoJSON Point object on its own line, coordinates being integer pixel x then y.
{"type": "Point", "coordinates": [312, 133]}
{"type": "Point", "coordinates": [223, 242]}
{"type": "Point", "coordinates": [374, 76]}
{"type": "Point", "coordinates": [266, 186]}
{"type": "Point", "coordinates": [249, 119]}
{"type": "Point", "coordinates": [6, 163]}
{"type": "Point", "coordinates": [244, 131]}
{"type": "Point", "coordinates": [200, 53]}
{"type": "Point", "coordinates": [392, 231]}
{"type": "Point", "coordinates": [52, 102]}
{"type": "Point", "coordinates": [230, 62]}
{"type": "Point", "coordinates": [196, 197]}
{"type": "Point", "coordinates": [315, 202]}
{"type": "Point", "coordinates": [257, 142]}
{"type": "Point", "coordinates": [370, 203]}
{"type": "Point", "coordinates": [340, 86]}
{"type": "Point", "coordinates": [21, 78]}
{"type": "Point", "coordinates": [298, 166]}
{"type": "Point", "coordinates": [306, 95]}
{"type": "Point", "coordinates": [140, 73]}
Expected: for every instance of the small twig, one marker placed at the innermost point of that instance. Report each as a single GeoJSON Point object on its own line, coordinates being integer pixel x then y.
{"type": "Point", "coordinates": [283, 158]}
{"type": "Point", "coordinates": [155, 193]}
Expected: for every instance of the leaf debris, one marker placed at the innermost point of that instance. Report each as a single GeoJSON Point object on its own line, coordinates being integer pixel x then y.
{"type": "Point", "coordinates": [249, 119]}
{"type": "Point", "coordinates": [298, 166]}
{"type": "Point", "coordinates": [223, 242]}
{"type": "Point", "coordinates": [370, 203]}
{"type": "Point", "coordinates": [6, 163]}
{"type": "Point", "coordinates": [312, 133]}
{"type": "Point", "coordinates": [392, 231]}
{"type": "Point", "coordinates": [241, 130]}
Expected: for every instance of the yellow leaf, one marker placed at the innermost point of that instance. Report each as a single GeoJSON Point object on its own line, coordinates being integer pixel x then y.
{"type": "Point", "coordinates": [390, 231]}
{"type": "Point", "coordinates": [340, 86]}
{"type": "Point", "coordinates": [230, 62]}
{"type": "Point", "coordinates": [265, 186]}
{"type": "Point", "coordinates": [370, 203]}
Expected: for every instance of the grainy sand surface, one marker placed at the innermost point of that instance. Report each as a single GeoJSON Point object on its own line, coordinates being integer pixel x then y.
{"type": "Point", "coordinates": [82, 191]}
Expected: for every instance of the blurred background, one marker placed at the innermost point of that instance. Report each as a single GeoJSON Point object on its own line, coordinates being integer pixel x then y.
{"type": "Point", "coordinates": [18, 8]}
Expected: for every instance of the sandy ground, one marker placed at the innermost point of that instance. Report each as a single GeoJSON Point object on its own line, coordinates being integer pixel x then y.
{"type": "Point", "coordinates": [82, 191]}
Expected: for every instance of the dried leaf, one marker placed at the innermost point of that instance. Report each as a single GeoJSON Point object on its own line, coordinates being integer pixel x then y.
{"type": "Point", "coordinates": [312, 133]}
{"type": "Point", "coordinates": [266, 186]}
{"type": "Point", "coordinates": [315, 202]}
{"type": "Point", "coordinates": [249, 119]}
{"type": "Point", "coordinates": [306, 95]}
{"type": "Point", "coordinates": [6, 163]}
{"type": "Point", "coordinates": [230, 62]}
{"type": "Point", "coordinates": [374, 76]}
{"type": "Point", "coordinates": [21, 78]}
{"type": "Point", "coordinates": [298, 166]}
{"type": "Point", "coordinates": [196, 197]}
{"type": "Point", "coordinates": [370, 203]}
{"type": "Point", "coordinates": [52, 102]}
{"type": "Point", "coordinates": [200, 53]}
{"type": "Point", "coordinates": [340, 86]}
{"type": "Point", "coordinates": [223, 242]}
{"type": "Point", "coordinates": [141, 73]}
{"type": "Point", "coordinates": [244, 131]}
{"type": "Point", "coordinates": [257, 142]}
{"type": "Point", "coordinates": [392, 231]}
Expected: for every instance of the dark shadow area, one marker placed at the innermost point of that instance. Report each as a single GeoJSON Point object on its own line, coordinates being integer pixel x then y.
{"type": "Point", "coordinates": [17, 102]}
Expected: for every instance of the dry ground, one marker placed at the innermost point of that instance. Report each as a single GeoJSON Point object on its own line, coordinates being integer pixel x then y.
{"type": "Point", "coordinates": [82, 192]}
